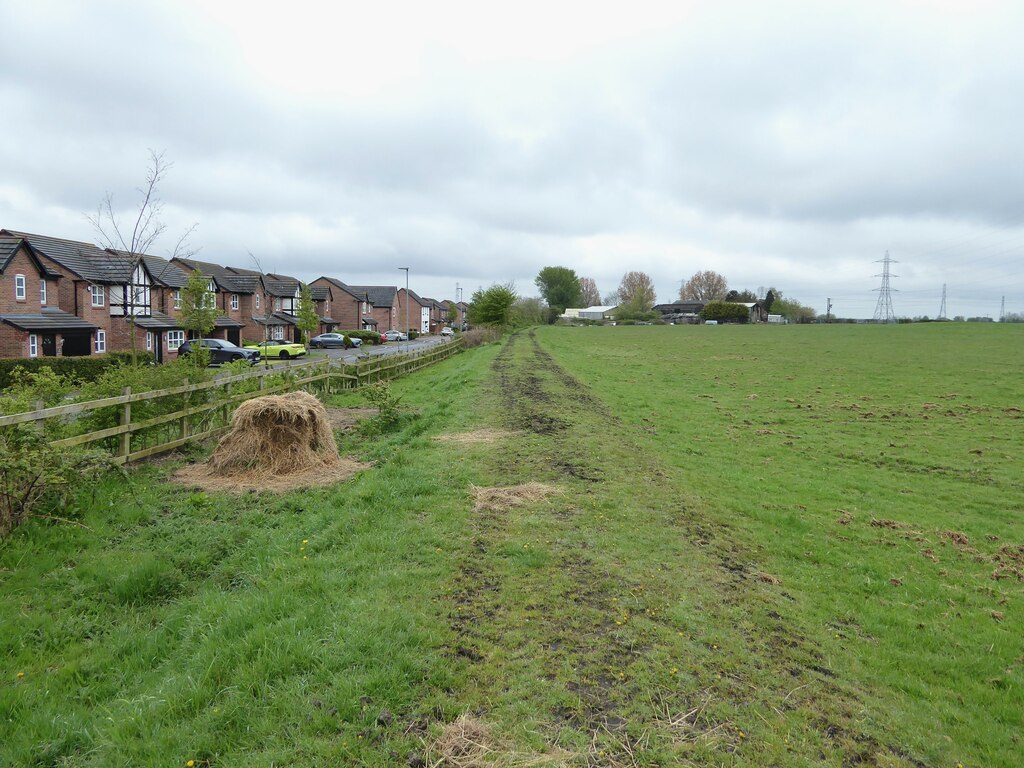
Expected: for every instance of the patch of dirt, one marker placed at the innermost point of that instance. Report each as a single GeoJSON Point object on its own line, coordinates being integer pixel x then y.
{"type": "Point", "coordinates": [204, 477]}
{"type": "Point", "coordinates": [346, 419]}
{"type": "Point", "coordinates": [504, 498]}
{"type": "Point", "coordinates": [476, 436]}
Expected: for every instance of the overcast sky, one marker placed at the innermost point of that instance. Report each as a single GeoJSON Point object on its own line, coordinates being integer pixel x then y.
{"type": "Point", "coordinates": [786, 144]}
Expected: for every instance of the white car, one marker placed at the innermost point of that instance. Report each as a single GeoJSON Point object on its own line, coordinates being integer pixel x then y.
{"type": "Point", "coordinates": [395, 336]}
{"type": "Point", "coordinates": [447, 331]}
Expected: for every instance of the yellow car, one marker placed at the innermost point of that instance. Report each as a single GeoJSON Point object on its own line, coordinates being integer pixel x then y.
{"type": "Point", "coordinates": [279, 349]}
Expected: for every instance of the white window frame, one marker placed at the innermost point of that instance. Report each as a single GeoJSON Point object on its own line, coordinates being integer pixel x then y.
{"type": "Point", "coordinates": [176, 298]}
{"type": "Point", "coordinates": [277, 305]}
{"type": "Point", "coordinates": [256, 298]}
{"type": "Point", "coordinates": [33, 345]}
{"type": "Point", "coordinates": [42, 292]}
{"type": "Point", "coordinates": [210, 297]}
{"type": "Point", "coordinates": [149, 341]}
{"type": "Point", "coordinates": [175, 339]}
{"type": "Point", "coordinates": [97, 295]}
{"type": "Point", "coordinates": [278, 332]}
{"type": "Point", "coordinates": [101, 342]}
{"type": "Point", "coordinates": [234, 301]}
{"type": "Point", "coordinates": [19, 287]}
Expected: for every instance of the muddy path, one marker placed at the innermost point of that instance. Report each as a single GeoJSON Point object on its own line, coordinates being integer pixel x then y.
{"type": "Point", "coordinates": [614, 666]}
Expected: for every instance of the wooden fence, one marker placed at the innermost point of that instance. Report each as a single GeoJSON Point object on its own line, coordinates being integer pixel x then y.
{"type": "Point", "coordinates": [143, 424]}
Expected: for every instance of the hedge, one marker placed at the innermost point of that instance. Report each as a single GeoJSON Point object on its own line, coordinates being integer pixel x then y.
{"type": "Point", "coordinates": [81, 369]}
{"type": "Point", "coordinates": [371, 336]}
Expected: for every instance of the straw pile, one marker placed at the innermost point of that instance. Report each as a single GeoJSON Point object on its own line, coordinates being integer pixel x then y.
{"type": "Point", "coordinates": [277, 442]}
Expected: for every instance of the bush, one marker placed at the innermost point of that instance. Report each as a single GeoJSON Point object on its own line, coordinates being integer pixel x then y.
{"type": "Point", "coordinates": [413, 334]}
{"type": "Point", "coordinates": [78, 369]}
{"type": "Point", "coordinates": [367, 336]}
{"type": "Point", "coordinates": [476, 337]}
{"type": "Point", "coordinates": [725, 312]}
{"type": "Point", "coordinates": [33, 474]}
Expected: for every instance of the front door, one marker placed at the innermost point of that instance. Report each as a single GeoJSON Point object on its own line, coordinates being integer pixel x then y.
{"type": "Point", "coordinates": [49, 344]}
{"type": "Point", "coordinates": [235, 336]}
{"type": "Point", "coordinates": [158, 346]}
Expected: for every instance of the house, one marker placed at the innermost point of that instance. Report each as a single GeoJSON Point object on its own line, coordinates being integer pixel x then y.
{"type": "Point", "coordinates": [237, 293]}
{"type": "Point", "coordinates": [419, 311]}
{"type": "Point", "coordinates": [115, 294]}
{"type": "Point", "coordinates": [345, 306]}
{"type": "Point", "coordinates": [32, 322]}
{"type": "Point", "coordinates": [322, 296]}
{"type": "Point", "coordinates": [379, 306]}
{"type": "Point", "coordinates": [438, 314]}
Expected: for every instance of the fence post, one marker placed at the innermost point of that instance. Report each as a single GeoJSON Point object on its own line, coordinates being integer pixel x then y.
{"type": "Point", "coordinates": [126, 421]}
{"type": "Point", "coordinates": [227, 403]}
{"type": "Point", "coordinates": [37, 424]}
{"type": "Point", "coordinates": [184, 413]}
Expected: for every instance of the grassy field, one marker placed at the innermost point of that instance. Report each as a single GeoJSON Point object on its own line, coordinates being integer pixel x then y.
{"type": "Point", "coordinates": [723, 546]}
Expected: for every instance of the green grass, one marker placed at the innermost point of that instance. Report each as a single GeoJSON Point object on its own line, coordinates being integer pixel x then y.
{"type": "Point", "coordinates": [704, 587]}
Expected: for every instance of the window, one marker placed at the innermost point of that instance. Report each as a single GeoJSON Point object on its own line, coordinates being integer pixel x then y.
{"type": "Point", "coordinates": [175, 339]}
{"type": "Point", "coordinates": [101, 342]}
{"type": "Point", "coordinates": [210, 297]}
{"type": "Point", "coordinates": [97, 294]}
{"type": "Point", "coordinates": [177, 298]}
{"type": "Point", "coordinates": [256, 298]}
{"type": "Point", "coordinates": [33, 345]}
{"type": "Point", "coordinates": [327, 307]}
{"type": "Point", "coordinates": [234, 301]}
{"type": "Point", "coordinates": [42, 292]}
{"type": "Point", "coordinates": [278, 332]}
{"type": "Point", "coordinates": [277, 305]}
{"type": "Point", "coordinates": [149, 341]}
{"type": "Point", "coordinates": [19, 287]}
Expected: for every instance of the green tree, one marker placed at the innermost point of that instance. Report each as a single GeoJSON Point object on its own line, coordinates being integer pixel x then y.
{"type": "Point", "coordinates": [559, 287]}
{"type": "Point", "coordinates": [199, 311]}
{"type": "Point", "coordinates": [528, 311]}
{"type": "Point", "coordinates": [307, 321]}
{"type": "Point", "coordinates": [636, 292]}
{"type": "Point", "coordinates": [493, 306]}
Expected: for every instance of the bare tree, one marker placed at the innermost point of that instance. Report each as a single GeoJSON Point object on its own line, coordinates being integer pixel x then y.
{"type": "Point", "coordinates": [637, 291]}
{"type": "Point", "coordinates": [128, 242]}
{"type": "Point", "coordinates": [704, 286]}
{"type": "Point", "coordinates": [591, 296]}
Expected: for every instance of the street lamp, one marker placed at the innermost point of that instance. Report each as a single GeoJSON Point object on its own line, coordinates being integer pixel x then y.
{"type": "Point", "coordinates": [406, 269]}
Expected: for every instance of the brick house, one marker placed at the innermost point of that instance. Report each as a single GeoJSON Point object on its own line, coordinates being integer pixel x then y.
{"type": "Point", "coordinates": [419, 311]}
{"type": "Point", "coordinates": [236, 294]}
{"type": "Point", "coordinates": [113, 293]}
{"type": "Point", "coordinates": [379, 306]}
{"type": "Point", "coordinates": [32, 322]}
{"type": "Point", "coordinates": [322, 296]}
{"type": "Point", "coordinates": [345, 306]}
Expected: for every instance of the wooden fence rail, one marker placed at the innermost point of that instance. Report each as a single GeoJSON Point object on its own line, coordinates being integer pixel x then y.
{"type": "Point", "coordinates": [206, 407]}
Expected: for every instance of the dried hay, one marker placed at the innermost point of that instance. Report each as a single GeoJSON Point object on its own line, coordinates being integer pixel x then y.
{"type": "Point", "coordinates": [275, 443]}
{"type": "Point", "coordinates": [464, 743]}
{"type": "Point", "coordinates": [474, 437]}
{"type": "Point", "coordinates": [503, 498]}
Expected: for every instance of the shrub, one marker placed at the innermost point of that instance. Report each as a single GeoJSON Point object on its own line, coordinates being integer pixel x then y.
{"type": "Point", "coordinates": [367, 336]}
{"type": "Point", "coordinates": [413, 334]}
{"type": "Point", "coordinates": [34, 474]}
{"type": "Point", "coordinates": [80, 369]}
{"type": "Point", "coordinates": [476, 337]}
{"type": "Point", "coordinates": [725, 312]}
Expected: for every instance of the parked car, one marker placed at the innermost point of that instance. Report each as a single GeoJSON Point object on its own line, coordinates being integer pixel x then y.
{"type": "Point", "coordinates": [221, 351]}
{"type": "Point", "coordinates": [395, 336]}
{"type": "Point", "coordinates": [333, 341]}
{"type": "Point", "coordinates": [446, 331]}
{"type": "Point", "coordinates": [281, 349]}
